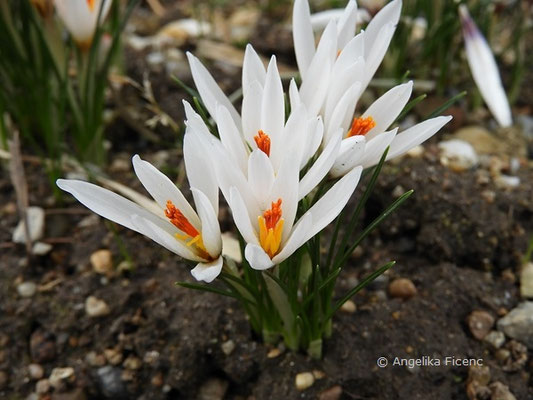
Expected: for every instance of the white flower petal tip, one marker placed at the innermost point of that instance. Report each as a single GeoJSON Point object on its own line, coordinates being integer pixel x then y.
{"type": "Point", "coordinates": [485, 70]}
{"type": "Point", "coordinates": [257, 258]}
{"type": "Point", "coordinates": [208, 272]}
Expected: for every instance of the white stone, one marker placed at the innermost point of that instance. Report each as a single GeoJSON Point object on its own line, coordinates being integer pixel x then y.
{"type": "Point", "coordinates": [458, 154]}
{"type": "Point", "coordinates": [41, 249]}
{"type": "Point", "coordinates": [35, 223]}
{"type": "Point", "coordinates": [26, 289]}
{"type": "Point", "coordinates": [518, 324]}
{"type": "Point", "coordinates": [507, 182]}
{"type": "Point", "coordinates": [94, 307]}
{"type": "Point", "coordinates": [58, 375]}
{"type": "Point", "coordinates": [228, 347]}
{"type": "Point", "coordinates": [304, 380]}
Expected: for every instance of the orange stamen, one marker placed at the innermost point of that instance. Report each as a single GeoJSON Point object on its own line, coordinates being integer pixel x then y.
{"type": "Point", "coordinates": [263, 142]}
{"type": "Point", "coordinates": [271, 229]}
{"type": "Point", "coordinates": [91, 4]}
{"type": "Point", "coordinates": [179, 220]}
{"type": "Point", "coordinates": [273, 215]}
{"type": "Point", "coordinates": [361, 126]}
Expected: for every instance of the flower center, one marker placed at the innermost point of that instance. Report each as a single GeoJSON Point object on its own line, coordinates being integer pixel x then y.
{"type": "Point", "coordinates": [91, 4]}
{"type": "Point", "coordinates": [179, 220]}
{"type": "Point", "coordinates": [270, 228]}
{"type": "Point", "coordinates": [263, 142]}
{"type": "Point", "coordinates": [361, 126]}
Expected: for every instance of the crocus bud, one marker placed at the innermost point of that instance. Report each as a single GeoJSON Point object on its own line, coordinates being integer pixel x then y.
{"type": "Point", "coordinates": [484, 69]}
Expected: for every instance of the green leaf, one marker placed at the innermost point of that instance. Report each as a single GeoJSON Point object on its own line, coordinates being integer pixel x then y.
{"type": "Point", "coordinates": [206, 288]}
{"type": "Point", "coordinates": [360, 286]}
{"type": "Point", "coordinates": [446, 105]}
{"type": "Point", "coordinates": [409, 106]}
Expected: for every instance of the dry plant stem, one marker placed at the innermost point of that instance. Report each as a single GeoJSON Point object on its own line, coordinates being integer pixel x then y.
{"type": "Point", "coordinates": [18, 178]}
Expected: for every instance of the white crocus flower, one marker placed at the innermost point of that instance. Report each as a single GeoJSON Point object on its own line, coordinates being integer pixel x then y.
{"type": "Point", "coordinates": [324, 69]}
{"type": "Point", "coordinates": [193, 235]}
{"type": "Point", "coordinates": [262, 124]}
{"type": "Point", "coordinates": [267, 220]}
{"type": "Point", "coordinates": [81, 17]}
{"type": "Point", "coordinates": [484, 69]}
{"type": "Point", "coordinates": [365, 138]}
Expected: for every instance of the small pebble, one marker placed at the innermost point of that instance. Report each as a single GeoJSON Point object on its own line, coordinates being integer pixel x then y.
{"type": "Point", "coordinates": [495, 339]}
{"type": "Point", "coordinates": [502, 354]}
{"type": "Point", "coordinates": [507, 182]}
{"type": "Point", "coordinates": [402, 288]}
{"type": "Point", "coordinates": [213, 389]}
{"type": "Point", "coordinates": [228, 347]}
{"type": "Point", "coordinates": [349, 307]}
{"type": "Point", "coordinates": [102, 262]}
{"type": "Point", "coordinates": [319, 374]}
{"type": "Point", "coordinates": [275, 352]}
{"type": "Point", "coordinates": [333, 393]}
{"type": "Point", "coordinates": [41, 249]}
{"type": "Point", "coordinates": [59, 375]}
{"type": "Point", "coordinates": [415, 152]}
{"type": "Point", "coordinates": [157, 380]}
{"type": "Point", "coordinates": [458, 154]}
{"type": "Point", "coordinates": [500, 392]}
{"type": "Point", "coordinates": [95, 307]}
{"type": "Point", "coordinates": [518, 323]}
{"type": "Point", "coordinates": [35, 216]}
{"type": "Point", "coordinates": [132, 363]}
{"type": "Point", "coordinates": [110, 382]}
{"type": "Point", "coordinates": [113, 356]}
{"type": "Point", "coordinates": [94, 359]}
{"type": "Point", "coordinates": [479, 374]}
{"type": "Point", "coordinates": [304, 380]}
{"type": "Point", "coordinates": [35, 371]}
{"type": "Point", "coordinates": [42, 386]}
{"type": "Point", "coordinates": [26, 289]}
{"type": "Point", "coordinates": [480, 323]}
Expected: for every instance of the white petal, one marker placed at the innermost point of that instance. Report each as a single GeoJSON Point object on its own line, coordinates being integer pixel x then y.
{"type": "Point", "coordinates": [231, 138]}
{"type": "Point", "coordinates": [294, 95]}
{"type": "Point", "coordinates": [315, 85]}
{"type": "Point", "coordinates": [164, 238]}
{"type": "Point", "coordinates": [375, 148]}
{"type": "Point", "coordinates": [329, 206]}
{"type": "Point", "coordinates": [252, 69]}
{"type": "Point", "coordinates": [257, 258]}
{"type": "Point", "coordinates": [350, 155]}
{"type": "Point", "coordinates": [315, 127]}
{"type": "Point", "coordinates": [195, 123]}
{"type": "Point", "coordinates": [260, 177]}
{"type": "Point", "coordinates": [207, 272]}
{"type": "Point", "coordinates": [285, 187]}
{"type": "Point", "coordinates": [292, 142]}
{"type": "Point", "coordinates": [108, 204]}
{"type": "Point", "coordinates": [406, 140]}
{"type": "Point", "coordinates": [199, 168]}
{"type": "Point", "coordinates": [210, 226]}
{"type": "Point", "coordinates": [320, 167]}
{"type": "Point", "coordinates": [376, 51]}
{"type": "Point", "coordinates": [273, 103]}
{"type": "Point", "coordinates": [304, 39]}
{"type": "Point", "coordinates": [342, 113]}
{"type": "Point", "coordinates": [251, 112]}
{"type": "Point", "coordinates": [241, 218]}
{"type": "Point", "coordinates": [209, 90]}
{"type": "Point", "coordinates": [485, 70]}
{"type": "Point", "coordinates": [387, 108]}
{"type": "Point", "coordinates": [296, 239]}
{"type": "Point", "coordinates": [163, 189]}
{"type": "Point", "coordinates": [390, 14]}
{"type": "Point", "coordinates": [346, 24]}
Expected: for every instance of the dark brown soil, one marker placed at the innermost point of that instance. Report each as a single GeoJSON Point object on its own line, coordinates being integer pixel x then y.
{"type": "Point", "coordinates": [177, 333]}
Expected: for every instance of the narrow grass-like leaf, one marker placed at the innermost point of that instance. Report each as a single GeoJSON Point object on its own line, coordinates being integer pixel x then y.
{"type": "Point", "coordinates": [446, 105]}
{"type": "Point", "coordinates": [360, 286]}
{"type": "Point", "coordinates": [409, 106]}
{"type": "Point", "coordinates": [373, 225]}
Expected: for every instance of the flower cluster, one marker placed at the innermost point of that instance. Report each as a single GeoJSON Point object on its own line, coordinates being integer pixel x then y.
{"type": "Point", "coordinates": [285, 175]}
